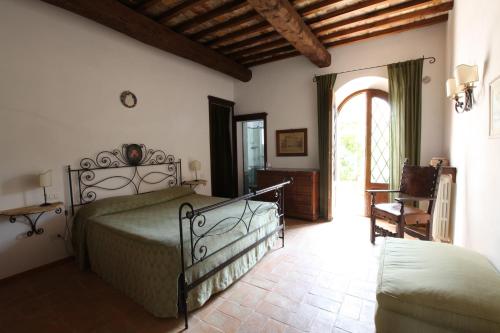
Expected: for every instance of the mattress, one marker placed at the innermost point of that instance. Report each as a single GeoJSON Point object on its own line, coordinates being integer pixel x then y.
{"type": "Point", "coordinates": [133, 243]}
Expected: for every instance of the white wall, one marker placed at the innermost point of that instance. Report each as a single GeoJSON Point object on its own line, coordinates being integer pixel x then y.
{"type": "Point", "coordinates": [473, 39]}
{"type": "Point", "coordinates": [285, 89]}
{"type": "Point", "coordinates": [60, 80]}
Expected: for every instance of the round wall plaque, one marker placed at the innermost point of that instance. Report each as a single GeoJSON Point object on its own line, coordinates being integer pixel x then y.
{"type": "Point", "coordinates": [128, 99]}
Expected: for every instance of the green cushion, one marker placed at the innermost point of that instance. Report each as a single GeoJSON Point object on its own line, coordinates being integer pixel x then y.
{"type": "Point", "coordinates": [440, 284]}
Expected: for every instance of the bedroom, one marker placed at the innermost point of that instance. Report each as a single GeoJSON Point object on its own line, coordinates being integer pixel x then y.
{"type": "Point", "coordinates": [61, 79]}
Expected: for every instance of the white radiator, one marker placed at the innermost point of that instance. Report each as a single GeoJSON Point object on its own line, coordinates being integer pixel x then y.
{"type": "Point", "coordinates": [441, 224]}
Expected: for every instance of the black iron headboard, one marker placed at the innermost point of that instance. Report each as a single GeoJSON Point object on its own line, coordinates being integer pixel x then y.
{"type": "Point", "coordinates": [157, 167]}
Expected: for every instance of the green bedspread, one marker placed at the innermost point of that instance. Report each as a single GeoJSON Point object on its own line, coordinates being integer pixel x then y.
{"type": "Point", "coordinates": [132, 242]}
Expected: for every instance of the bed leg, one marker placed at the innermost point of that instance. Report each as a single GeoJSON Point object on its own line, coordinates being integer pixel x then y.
{"type": "Point", "coordinates": [183, 299]}
{"type": "Point", "coordinates": [283, 234]}
{"type": "Point", "coordinates": [186, 317]}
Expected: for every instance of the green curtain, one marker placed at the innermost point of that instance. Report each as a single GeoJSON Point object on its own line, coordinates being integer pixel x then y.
{"type": "Point", "coordinates": [405, 99]}
{"type": "Point", "coordinates": [325, 96]}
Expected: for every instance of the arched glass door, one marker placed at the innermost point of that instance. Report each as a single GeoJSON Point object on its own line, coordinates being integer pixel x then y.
{"type": "Point", "coordinates": [362, 149]}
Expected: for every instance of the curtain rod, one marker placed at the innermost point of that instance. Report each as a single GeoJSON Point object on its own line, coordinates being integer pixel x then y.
{"type": "Point", "coordinates": [431, 61]}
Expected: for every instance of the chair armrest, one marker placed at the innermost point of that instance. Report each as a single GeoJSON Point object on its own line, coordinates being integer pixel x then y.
{"type": "Point", "coordinates": [404, 199]}
{"type": "Point", "coordinates": [382, 191]}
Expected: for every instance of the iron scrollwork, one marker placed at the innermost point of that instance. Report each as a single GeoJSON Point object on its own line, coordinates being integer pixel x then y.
{"type": "Point", "coordinates": [131, 156]}
{"type": "Point", "coordinates": [200, 231]}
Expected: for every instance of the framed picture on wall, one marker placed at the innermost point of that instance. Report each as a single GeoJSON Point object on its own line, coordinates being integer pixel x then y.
{"type": "Point", "coordinates": [495, 108]}
{"type": "Point", "coordinates": [291, 142]}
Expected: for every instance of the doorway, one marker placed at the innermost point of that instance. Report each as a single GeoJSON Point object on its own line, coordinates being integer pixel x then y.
{"type": "Point", "coordinates": [362, 150]}
{"type": "Point", "coordinates": [222, 148]}
{"type": "Point", "coordinates": [252, 149]}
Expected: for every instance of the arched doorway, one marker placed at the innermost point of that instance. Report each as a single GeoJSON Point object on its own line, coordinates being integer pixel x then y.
{"type": "Point", "coordinates": [362, 144]}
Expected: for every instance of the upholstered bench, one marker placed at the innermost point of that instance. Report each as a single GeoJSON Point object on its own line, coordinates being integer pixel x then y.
{"type": "Point", "coordinates": [433, 287]}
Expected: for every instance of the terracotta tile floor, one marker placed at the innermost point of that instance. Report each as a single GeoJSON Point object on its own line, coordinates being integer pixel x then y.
{"type": "Point", "coordinates": [322, 281]}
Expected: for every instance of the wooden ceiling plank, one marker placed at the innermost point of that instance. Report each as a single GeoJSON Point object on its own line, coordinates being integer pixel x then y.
{"type": "Point", "coordinates": [316, 7]}
{"type": "Point", "coordinates": [237, 21]}
{"type": "Point", "coordinates": [274, 51]}
{"type": "Point", "coordinates": [247, 43]}
{"type": "Point", "coordinates": [286, 21]}
{"type": "Point", "coordinates": [217, 12]}
{"type": "Point", "coordinates": [261, 47]}
{"type": "Point", "coordinates": [249, 30]}
{"type": "Point", "coordinates": [179, 9]}
{"type": "Point", "coordinates": [345, 10]}
{"type": "Point", "coordinates": [229, 24]}
{"type": "Point", "coordinates": [400, 28]}
{"type": "Point", "coordinates": [370, 15]}
{"type": "Point", "coordinates": [395, 29]}
{"type": "Point", "coordinates": [274, 58]}
{"type": "Point", "coordinates": [303, 11]}
{"type": "Point", "coordinates": [443, 7]}
{"type": "Point", "coordinates": [119, 17]}
{"type": "Point", "coordinates": [148, 4]}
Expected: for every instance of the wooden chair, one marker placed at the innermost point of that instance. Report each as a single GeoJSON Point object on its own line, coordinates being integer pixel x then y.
{"type": "Point", "coordinates": [417, 184]}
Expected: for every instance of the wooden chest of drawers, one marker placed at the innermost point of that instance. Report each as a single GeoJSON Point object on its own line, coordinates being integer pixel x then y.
{"type": "Point", "coordinates": [301, 197]}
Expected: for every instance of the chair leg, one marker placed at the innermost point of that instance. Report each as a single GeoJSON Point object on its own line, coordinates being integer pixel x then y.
{"type": "Point", "coordinates": [400, 229]}
{"type": "Point", "coordinates": [372, 229]}
{"type": "Point", "coordinates": [372, 218]}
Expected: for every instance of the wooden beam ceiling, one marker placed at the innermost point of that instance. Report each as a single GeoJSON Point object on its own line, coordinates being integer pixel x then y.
{"type": "Point", "coordinates": [230, 35]}
{"type": "Point", "coordinates": [121, 18]}
{"type": "Point", "coordinates": [288, 53]}
{"type": "Point", "coordinates": [286, 21]}
{"type": "Point", "coordinates": [325, 37]}
{"type": "Point", "coordinates": [179, 9]}
{"type": "Point", "coordinates": [305, 10]}
{"type": "Point", "coordinates": [219, 11]}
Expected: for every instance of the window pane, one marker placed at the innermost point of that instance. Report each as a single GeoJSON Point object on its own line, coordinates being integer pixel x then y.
{"type": "Point", "coordinates": [381, 120]}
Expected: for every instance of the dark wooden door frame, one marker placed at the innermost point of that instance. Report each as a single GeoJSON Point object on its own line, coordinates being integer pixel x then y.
{"type": "Point", "coordinates": [229, 104]}
{"type": "Point", "coordinates": [255, 116]}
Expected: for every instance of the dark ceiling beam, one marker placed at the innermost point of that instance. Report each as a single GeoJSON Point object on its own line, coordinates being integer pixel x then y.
{"type": "Point", "coordinates": [440, 8]}
{"type": "Point", "coordinates": [119, 17]}
{"type": "Point", "coordinates": [286, 21]}
{"type": "Point", "coordinates": [210, 15]}
{"type": "Point", "coordinates": [179, 9]}
{"type": "Point", "coordinates": [413, 25]}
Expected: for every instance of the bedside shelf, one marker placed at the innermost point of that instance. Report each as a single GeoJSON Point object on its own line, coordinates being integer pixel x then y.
{"type": "Point", "coordinates": [32, 214]}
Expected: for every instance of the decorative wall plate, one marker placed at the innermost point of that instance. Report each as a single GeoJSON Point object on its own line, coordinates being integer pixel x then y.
{"type": "Point", "coordinates": [128, 99]}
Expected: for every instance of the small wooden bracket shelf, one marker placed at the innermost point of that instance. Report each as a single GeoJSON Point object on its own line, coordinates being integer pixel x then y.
{"type": "Point", "coordinates": [194, 183]}
{"type": "Point", "coordinates": [32, 214]}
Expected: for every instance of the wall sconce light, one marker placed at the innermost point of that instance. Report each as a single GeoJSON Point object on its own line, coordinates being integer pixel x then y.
{"type": "Point", "coordinates": [462, 86]}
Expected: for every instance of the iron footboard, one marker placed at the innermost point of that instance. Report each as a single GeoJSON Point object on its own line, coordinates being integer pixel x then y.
{"type": "Point", "coordinates": [196, 221]}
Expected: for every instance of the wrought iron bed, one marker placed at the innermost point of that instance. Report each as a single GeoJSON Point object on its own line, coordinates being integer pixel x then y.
{"type": "Point", "coordinates": [155, 167]}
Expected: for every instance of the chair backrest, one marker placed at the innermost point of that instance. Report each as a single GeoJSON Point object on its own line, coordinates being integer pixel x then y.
{"type": "Point", "coordinates": [419, 181]}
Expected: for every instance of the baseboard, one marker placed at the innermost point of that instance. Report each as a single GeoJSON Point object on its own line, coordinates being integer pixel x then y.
{"type": "Point", "coordinates": [36, 269]}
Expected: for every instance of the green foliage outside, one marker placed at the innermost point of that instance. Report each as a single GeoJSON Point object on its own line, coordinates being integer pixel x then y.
{"type": "Point", "coordinates": [350, 158]}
